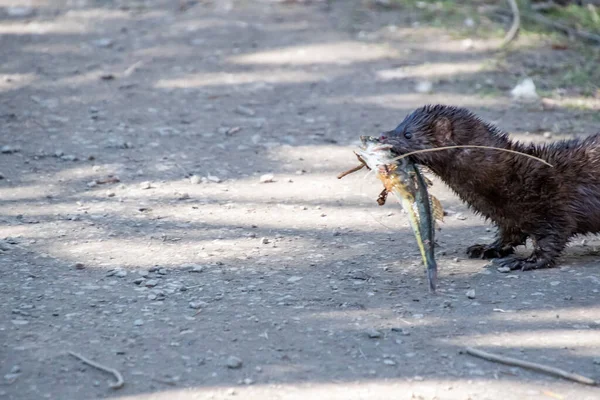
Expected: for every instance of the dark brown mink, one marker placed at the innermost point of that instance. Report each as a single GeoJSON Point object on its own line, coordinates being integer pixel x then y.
{"type": "Point", "coordinates": [522, 196]}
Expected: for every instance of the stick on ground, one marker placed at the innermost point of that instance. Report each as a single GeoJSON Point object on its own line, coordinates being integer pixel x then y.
{"type": "Point", "coordinates": [117, 385]}
{"type": "Point", "coordinates": [516, 25]}
{"type": "Point", "coordinates": [530, 365]}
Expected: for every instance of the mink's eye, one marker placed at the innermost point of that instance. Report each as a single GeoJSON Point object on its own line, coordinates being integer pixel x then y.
{"type": "Point", "coordinates": [408, 135]}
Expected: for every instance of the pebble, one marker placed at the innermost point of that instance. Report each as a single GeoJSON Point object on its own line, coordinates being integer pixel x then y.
{"type": "Point", "coordinates": [121, 273]}
{"type": "Point", "coordinates": [8, 149]}
{"type": "Point", "coordinates": [248, 381]}
{"type": "Point", "coordinates": [195, 179]}
{"type": "Point", "coordinates": [214, 179]}
{"type": "Point", "coordinates": [264, 240]}
{"type": "Point", "coordinates": [11, 377]}
{"type": "Point", "coordinates": [78, 266]}
{"type": "Point", "coordinates": [20, 322]}
{"type": "Point", "coordinates": [15, 369]}
{"type": "Point", "coordinates": [183, 196]}
{"type": "Point", "coordinates": [103, 42]}
{"type": "Point", "coordinates": [460, 216]}
{"type": "Point", "coordinates": [145, 185]}
{"type": "Point", "coordinates": [471, 294]}
{"type": "Point", "coordinates": [467, 44]}
{"type": "Point", "coordinates": [138, 322]}
{"type": "Point", "coordinates": [110, 193]}
{"type": "Point", "coordinates": [152, 296]}
{"type": "Point", "coordinates": [151, 283]}
{"type": "Point", "coordinates": [424, 87]}
{"type": "Point", "coordinates": [373, 333]}
{"type": "Point", "coordinates": [19, 12]}
{"type": "Point", "coordinates": [138, 281]}
{"type": "Point", "coordinates": [163, 271]}
{"type": "Point", "coordinates": [196, 304]}
{"type": "Point", "coordinates": [525, 90]}
{"type": "Point", "coordinates": [267, 178]}
{"type": "Point", "coordinates": [503, 269]}
{"type": "Point", "coordinates": [248, 112]}
{"type": "Point", "coordinates": [197, 268]}
{"type": "Point", "coordinates": [547, 135]}
{"type": "Point", "coordinates": [389, 361]}
{"type": "Point", "coordinates": [233, 362]}
{"type": "Point", "coordinates": [596, 361]}
{"type": "Point", "coordinates": [69, 157]}
{"type": "Point", "coordinates": [294, 279]}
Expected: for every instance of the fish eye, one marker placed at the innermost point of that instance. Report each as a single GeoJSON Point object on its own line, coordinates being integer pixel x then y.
{"type": "Point", "coordinates": [408, 135]}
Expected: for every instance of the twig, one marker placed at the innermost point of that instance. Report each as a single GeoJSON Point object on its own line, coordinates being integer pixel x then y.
{"type": "Point", "coordinates": [540, 19]}
{"type": "Point", "coordinates": [350, 171]}
{"type": "Point", "coordinates": [516, 25]}
{"type": "Point", "coordinates": [117, 385]}
{"type": "Point", "coordinates": [530, 365]}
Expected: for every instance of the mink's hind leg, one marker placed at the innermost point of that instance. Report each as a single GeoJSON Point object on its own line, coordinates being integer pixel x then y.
{"type": "Point", "coordinates": [545, 252]}
{"type": "Point", "coordinates": [503, 246]}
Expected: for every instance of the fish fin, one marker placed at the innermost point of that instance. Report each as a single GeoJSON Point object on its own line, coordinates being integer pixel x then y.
{"type": "Point", "coordinates": [438, 210]}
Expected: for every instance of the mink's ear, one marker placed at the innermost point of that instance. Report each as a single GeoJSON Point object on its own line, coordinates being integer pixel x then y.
{"type": "Point", "coordinates": [443, 128]}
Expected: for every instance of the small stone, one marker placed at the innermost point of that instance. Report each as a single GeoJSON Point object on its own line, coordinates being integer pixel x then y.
{"type": "Point", "coordinates": [163, 271]}
{"type": "Point", "coordinates": [596, 361]}
{"type": "Point", "coordinates": [138, 322]}
{"type": "Point", "coordinates": [78, 266]}
{"type": "Point", "coordinates": [554, 283]}
{"type": "Point", "coordinates": [152, 296]}
{"type": "Point", "coordinates": [467, 44]}
{"type": "Point", "coordinates": [138, 281]}
{"type": "Point", "coordinates": [8, 149]}
{"type": "Point", "coordinates": [121, 273]}
{"type": "Point", "coordinates": [110, 193]}
{"type": "Point", "coordinates": [214, 179]}
{"type": "Point", "coordinates": [373, 333]}
{"type": "Point", "coordinates": [183, 196]}
{"type": "Point", "coordinates": [547, 135]}
{"type": "Point", "coordinates": [525, 90]}
{"type": "Point", "coordinates": [471, 294]}
{"type": "Point", "coordinates": [151, 283]}
{"type": "Point", "coordinates": [19, 12]}
{"type": "Point", "coordinates": [196, 304]}
{"type": "Point", "coordinates": [503, 269]}
{"type": "Point", "coordinates": [460, 216]}
{"type": "Point", "coordinates": [15, 369]}
{"type": "Point", "coordinates": [424, 87]}
{"type": "Point", "coordinates": [195, 179]}
{"type": "Point", "coordinates": [294, 279]}
{"type": "Point", "coordinates": [389, 361]}
{"type": "Point", "coordinates": [92, 184]}
{"type": "Point", "coordinates": [103, 42]}
{"type": "Point", "coordinates": [145, 185]}
{"type": "Point", "coordinates": [69, 157]}
{"type": "Point", "coordinates": [248, 112]}
{"type": "Point", "coordinates": [197, 268]}
{"type": "Point", "coordinates": [11, 377]}
{"type": "Point", "coordinates": [264, 240]}
{"type": "Point", "coordinates": [248, 381]}
{"type": "Point", "coordinates": [233, 362]}
{"type": "Point", "coordinates": [20, 322]}
{"type": "Point", "coordinates": [267, 178]}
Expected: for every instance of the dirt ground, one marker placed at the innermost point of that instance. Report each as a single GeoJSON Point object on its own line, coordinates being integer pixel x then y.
{"type": "Point", "coordinates": [188, 264]}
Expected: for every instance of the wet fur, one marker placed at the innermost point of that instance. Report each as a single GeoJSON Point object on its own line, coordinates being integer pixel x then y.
{"type": "Point", "coordinates": [522, 196]}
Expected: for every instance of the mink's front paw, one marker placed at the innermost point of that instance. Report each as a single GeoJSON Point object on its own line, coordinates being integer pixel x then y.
{"type": "Point", "coordinates": [523, 264]}
{"type": "Point", "coordinates": [487, 251]}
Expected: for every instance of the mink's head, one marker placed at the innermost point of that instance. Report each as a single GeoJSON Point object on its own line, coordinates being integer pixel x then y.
{"type": "Point", "coordinates": [436, 126]}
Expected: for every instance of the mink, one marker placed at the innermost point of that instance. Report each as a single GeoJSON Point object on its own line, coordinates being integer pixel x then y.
{"type": "Point", "coordinates": [523, 197]}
